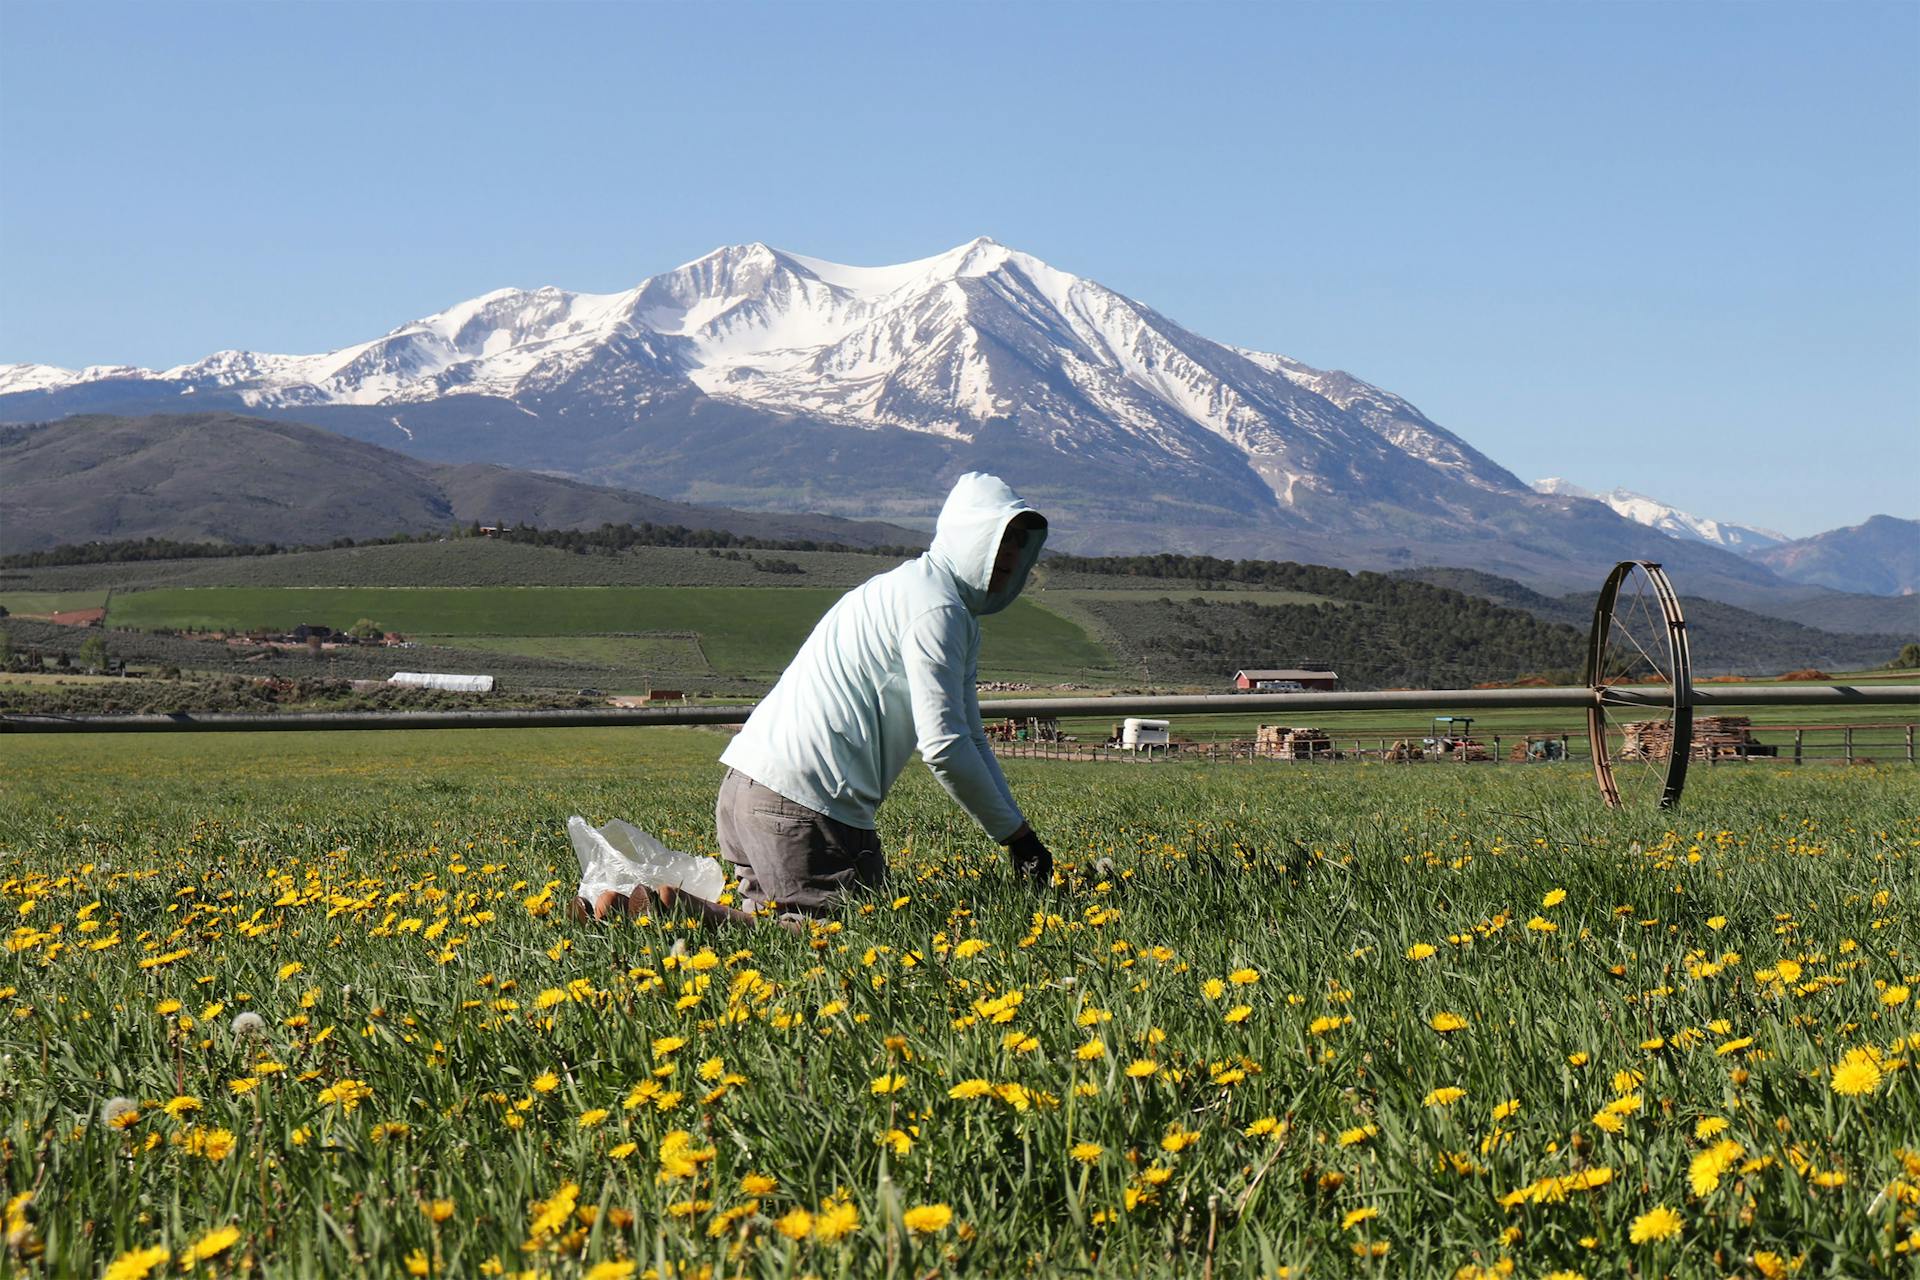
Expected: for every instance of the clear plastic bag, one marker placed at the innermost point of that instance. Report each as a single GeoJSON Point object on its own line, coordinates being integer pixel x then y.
{"type": "Point", "coordinates": [620, 855]}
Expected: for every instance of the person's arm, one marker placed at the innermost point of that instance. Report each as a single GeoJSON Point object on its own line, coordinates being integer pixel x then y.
{"type": "Point", "coordinates": [945, 716]}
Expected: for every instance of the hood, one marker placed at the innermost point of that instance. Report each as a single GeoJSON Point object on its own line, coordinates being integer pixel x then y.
{"type": "Point", "coordinates": [967, 537]}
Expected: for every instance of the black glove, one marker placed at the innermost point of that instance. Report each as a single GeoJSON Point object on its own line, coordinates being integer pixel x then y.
{"type": "Point", "coordinates": [1032, 861]}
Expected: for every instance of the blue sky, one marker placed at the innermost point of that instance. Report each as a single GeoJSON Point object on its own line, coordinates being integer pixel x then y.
{"type": "Point", "coordinates": [1668, 246]}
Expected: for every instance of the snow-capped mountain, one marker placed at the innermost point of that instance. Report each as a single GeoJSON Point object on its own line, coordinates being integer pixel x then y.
{"type": "Point", "coordinates": [760, 378]}
{"type": "Point", "coordinates": [945, 346]}
{"type": "Point", "coordinates": [1670, 520]}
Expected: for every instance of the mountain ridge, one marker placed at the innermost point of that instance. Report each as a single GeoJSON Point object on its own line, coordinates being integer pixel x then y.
{"type": "Point", "coordinates": [767, 379]}
{"type": "Point", "coordinates": [225, 478]}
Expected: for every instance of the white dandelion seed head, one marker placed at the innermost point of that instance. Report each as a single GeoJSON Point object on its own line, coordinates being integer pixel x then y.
{"type": "Point", "coordinates": [1103, 867]}
{"type": "Point", "coordinates": [249, 1023]}
{"type": "Point", "coordinates": [115, 1107]}
{"type": "Point", "coordinates": [679, 951]}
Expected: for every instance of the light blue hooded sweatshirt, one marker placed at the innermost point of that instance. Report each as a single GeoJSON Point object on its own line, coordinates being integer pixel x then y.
{"type": "Point", "coordinates": [891, 668]}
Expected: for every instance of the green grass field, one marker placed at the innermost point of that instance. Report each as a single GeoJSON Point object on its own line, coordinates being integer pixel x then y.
{"type": "Point", "coordinates": [31, 603]}
{"type": "Point", "coordinates": [1341, 1022]}
{"type": "Point", "coordinates": [666, 653]}
{"type": "Point", "coordinates": [744, 631]}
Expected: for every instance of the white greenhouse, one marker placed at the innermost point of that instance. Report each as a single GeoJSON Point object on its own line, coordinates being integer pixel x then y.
{"type": "Point", "coordinates": [441, 680]}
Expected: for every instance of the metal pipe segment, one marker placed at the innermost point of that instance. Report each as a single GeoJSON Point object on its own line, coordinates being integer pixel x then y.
{"type": "Point", "coordinates": [1651, 696]}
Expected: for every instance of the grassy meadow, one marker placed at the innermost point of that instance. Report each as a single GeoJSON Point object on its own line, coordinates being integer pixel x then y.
{"type": "Point", "coordinates": [310, 1005]}
{"type": "Point", "coordinates": [743, 631]}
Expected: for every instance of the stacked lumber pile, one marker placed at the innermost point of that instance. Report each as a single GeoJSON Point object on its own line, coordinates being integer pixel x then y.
{"type": "Point", "coordinates": [1405, 750]}
{"type": "Point", "coordinates": [1714, 738]}
{"type": "Point", "coordinates": [1284, 743]}
{"type": "Point", "coordinates": [1471, 749]}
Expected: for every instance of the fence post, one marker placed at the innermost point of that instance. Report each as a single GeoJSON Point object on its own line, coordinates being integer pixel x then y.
{"type": "Point", "coordinates": [1495, 757]}
{"type": "Point", "coordinates": [1909, 744]}
{"type": "Point", "coordinates": [1798, 735]}
{"type": "Point", "coordinates": [1849, 743]}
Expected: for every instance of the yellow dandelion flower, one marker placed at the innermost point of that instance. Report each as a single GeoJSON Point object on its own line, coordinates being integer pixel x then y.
{"type": "Point", "coordinates": [1894, 996]}
{"type": "Point", "coordinates": [546, 1082]}
{"type": "Point", "coordinates": [1508, 1108]}
{"type": "Point", "coordinates": [1657, 1223]}
{"type": "Point", "coordinates": [211, 1245]}
{"type": "Point", "coordinates": [1708, 1126]}
{"type": "Point", "coordinates": [1716, 923]}
{"type": "Point", "coordinates": [890, 1083]}
{"type": "Point", "coordinates": [967, 1090]}
{"type": "Point", "coordinates": [1358, 1134]}
{"type": "Point", "coordinates": [758, 1184]}
{"type": "Point", "coordinates": [1855, 1076]}
{"type": "Point", "coordinates": [136, 1263]}
{"type": "Point", "coordinates": [797, 1224]}
{"type": "Point", "coordinates": [1242, 977]}
{"type": "Point", "coordinates": [664, 1045]}
{"type": "Point", "coordinates": [592, 1117]}
{"type": "Point", "coordinates": [1090, 1050]}
{"type": "Point", "coordinates": [1554, 898]}
{"type": "Point", "coordinates": [1444, 1022]}
{"type": "Point", "coordinates": [1540, 924]}
{"type": "Point", "coordinates": [1239, 1013]}
{"type": "Point", "coordinates": [1140, 1067]}
{"type": "Point", "coordinates": [437, 1210]}
{"type": "Point", "coordinates": [925, 1219]}
{"type": "Point", "coordinates": [1086, 1152]}
{"type": "Point", "coordinates": [1213, 988]}
{"type": "Point", "coordinates": [1420, 951]}
{"type": "Point", "coordinates": [1445, 1096]}
{"type": "Point", "coordinates": [1178, 1139]}
{"type": "Point", "coordinates": [836, 1220]}
{"type": "Point", "coordinates": [1354, 1217]}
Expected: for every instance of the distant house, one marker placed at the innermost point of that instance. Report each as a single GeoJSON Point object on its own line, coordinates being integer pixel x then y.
{"type": "Point", "coordinates": [1283, 679]}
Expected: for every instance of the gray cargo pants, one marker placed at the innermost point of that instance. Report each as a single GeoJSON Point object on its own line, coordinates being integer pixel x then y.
{"type": "Point", "coordinates": [796, 858]}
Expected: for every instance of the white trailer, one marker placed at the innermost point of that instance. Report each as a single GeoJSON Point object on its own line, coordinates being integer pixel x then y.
{"type": "Point", "coordinates": [1136, 733]}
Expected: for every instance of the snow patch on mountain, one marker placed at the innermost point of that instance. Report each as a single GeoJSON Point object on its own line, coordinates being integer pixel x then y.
{"type": "Point", "coordinates": [1670, 520]}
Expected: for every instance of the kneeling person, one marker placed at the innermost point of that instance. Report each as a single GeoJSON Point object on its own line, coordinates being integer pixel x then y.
{"type": "Point", "coordinates": [891, 667]}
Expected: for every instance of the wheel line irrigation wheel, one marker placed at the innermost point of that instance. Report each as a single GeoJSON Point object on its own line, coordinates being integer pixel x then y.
{"type": "Point", "coordinates": [1640, 672]}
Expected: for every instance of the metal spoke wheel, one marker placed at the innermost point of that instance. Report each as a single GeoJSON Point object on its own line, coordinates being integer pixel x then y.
{"type": "Point", "coordinates": [1640, 724]}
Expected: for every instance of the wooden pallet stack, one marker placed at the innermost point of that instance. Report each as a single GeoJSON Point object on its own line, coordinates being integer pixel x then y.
{"type": "Point", "coordinates": [1714, 738]}
{"type": "Point", "coordinates": [1283, 742]}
